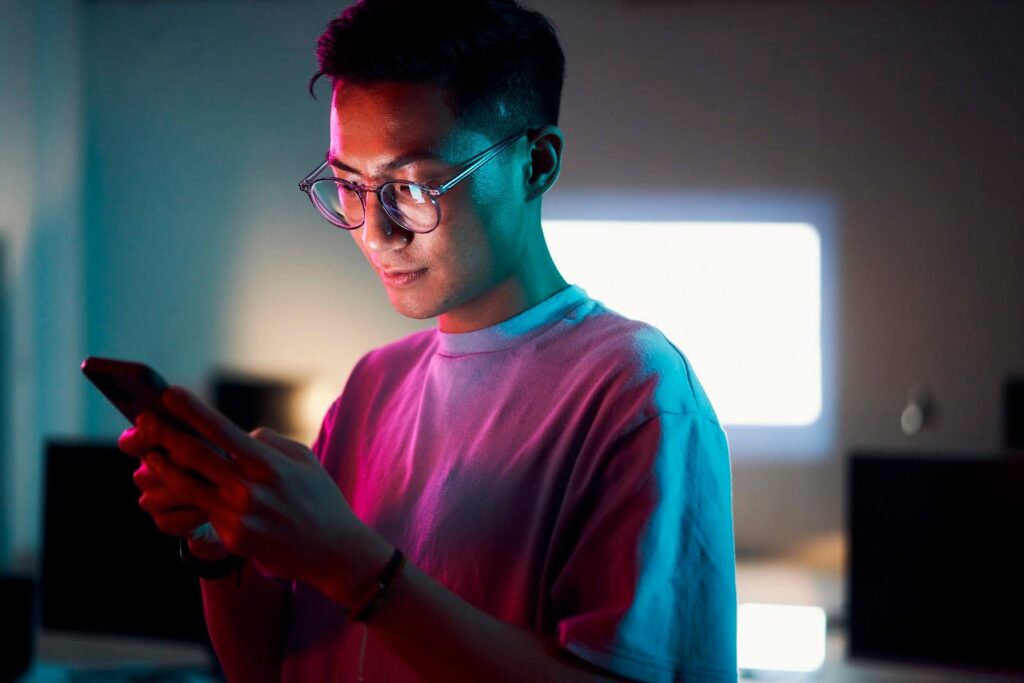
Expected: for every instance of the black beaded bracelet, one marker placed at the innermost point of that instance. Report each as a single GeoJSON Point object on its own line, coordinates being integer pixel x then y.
{"type": "Point", "coordinates": [209, 570]}
{"type": "Point", "coordinates": [390, 572]}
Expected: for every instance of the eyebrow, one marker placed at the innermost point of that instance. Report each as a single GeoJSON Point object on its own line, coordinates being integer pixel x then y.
{"type": "Point", "coordinates": [397, 162]}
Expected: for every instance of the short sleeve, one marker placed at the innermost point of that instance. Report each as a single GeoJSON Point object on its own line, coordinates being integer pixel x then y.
{"type": "Point", "coordinates": [324, 433]}
{"type": "Point", "coordinates": [329, 422]}
{"type": "Point", "coordinates": [649, 588]}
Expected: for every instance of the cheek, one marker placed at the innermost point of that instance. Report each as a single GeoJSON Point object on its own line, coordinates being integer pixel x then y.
{"type": "Point", "coordinates": [357, 238]}
{"type": "Point", "coordinates": [501, 210]}
{"type": "Point", "coordinates": [458, 254]}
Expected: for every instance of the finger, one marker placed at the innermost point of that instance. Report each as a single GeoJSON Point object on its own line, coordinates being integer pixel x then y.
{"type": "Point", "coordinates": [162, 502]}
{"type": "Point", "coordinates": [144, 478]}
{"type": "Point", "coordinates": [214, 426]}
{"type": "Point", "coordinates": [179, 522]}
{"type": "Point", "coordinates": [293, 449]}
{"type": "Point", "coordinates": [189, 452]}
{"type": "Point", "coordinates": [134, 443]}
{"type": "Point", "coordinates": [163, 499]}
{"type": "Point", "coordinates": [189, 489]}
{"type": "Point", "coordinates": [232, 493]}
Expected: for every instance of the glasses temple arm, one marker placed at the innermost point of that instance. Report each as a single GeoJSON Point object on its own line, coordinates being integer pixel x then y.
{"type": "Point", "coordinates": [487, 156]}
{"type": "Point", "coordinates": [306, 182]}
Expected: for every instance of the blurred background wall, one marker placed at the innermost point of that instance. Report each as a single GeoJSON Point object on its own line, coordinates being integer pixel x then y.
{"type": "Point", "coordinates": [43, 302]}
{"type": "Point", "coordinates": [150, 154]}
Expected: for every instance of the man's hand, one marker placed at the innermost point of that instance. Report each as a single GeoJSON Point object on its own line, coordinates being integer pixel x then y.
{"type": "Point", "coordinates": [171, 514]}
{"type": "Point", "coordinates": [269, 500]}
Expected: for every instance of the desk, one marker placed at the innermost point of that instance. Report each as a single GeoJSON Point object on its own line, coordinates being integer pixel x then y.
{"type": "Point", "coordinates": [837, 669]}
{"type": "Point", "coordinates": [784, 582]}
{"type": "Point", "coordinates": [67, 657]}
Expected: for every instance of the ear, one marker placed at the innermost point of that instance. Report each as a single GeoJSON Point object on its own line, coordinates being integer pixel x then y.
{"type": "Point", "coordinates": [541, 172]}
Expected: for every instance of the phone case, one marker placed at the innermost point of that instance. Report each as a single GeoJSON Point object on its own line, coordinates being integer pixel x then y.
{"type": "Point", "coordinates": [132, 387]}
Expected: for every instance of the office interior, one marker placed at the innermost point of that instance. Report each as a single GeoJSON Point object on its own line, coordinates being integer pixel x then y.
{"type": "Point", "coordinates": [149, 159]}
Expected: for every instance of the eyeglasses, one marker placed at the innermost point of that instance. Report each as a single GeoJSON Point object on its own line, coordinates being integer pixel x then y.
{"type": "Point", "coordinates": [411, 205]}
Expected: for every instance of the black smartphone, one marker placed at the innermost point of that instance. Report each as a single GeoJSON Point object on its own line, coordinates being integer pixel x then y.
{"type": "Point", "coordinates": [133, 388]}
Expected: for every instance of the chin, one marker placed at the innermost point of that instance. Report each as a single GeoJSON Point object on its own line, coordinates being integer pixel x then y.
{"type": "Point", "coordinates": [414, 307]}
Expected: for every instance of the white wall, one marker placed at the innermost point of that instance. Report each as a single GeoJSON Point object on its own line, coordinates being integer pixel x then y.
{"type": "Point", "coordinates": [41, 240]}
{"type": "Point", "coordinates": [201, 251]}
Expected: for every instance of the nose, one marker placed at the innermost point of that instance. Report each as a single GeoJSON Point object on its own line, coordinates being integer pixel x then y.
{"type": "Point", "coordinates": [380, 232]}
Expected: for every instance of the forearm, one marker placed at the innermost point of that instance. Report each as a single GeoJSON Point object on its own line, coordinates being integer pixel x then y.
{"type": "Point", "coordinates": [246, 624]}
{"type": "Point", "coordinates": [445, 638]}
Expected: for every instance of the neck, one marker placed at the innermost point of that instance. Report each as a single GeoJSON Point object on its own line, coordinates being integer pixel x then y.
{"type": "Point", "coordinates": [533, 281]}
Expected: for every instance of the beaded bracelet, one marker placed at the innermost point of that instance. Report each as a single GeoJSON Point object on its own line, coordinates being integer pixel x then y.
{"type": "Point", "coordinates": [390, 572]}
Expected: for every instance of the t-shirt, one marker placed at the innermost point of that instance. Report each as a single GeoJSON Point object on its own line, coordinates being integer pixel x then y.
{"type": "Point", "coordinates": [562, 471]}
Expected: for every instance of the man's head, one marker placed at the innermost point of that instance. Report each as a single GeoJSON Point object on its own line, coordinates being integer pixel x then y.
{"type": "Point", "coordinates": [500, 65]}
{"type": "Point", "coordinates": [447, 81]}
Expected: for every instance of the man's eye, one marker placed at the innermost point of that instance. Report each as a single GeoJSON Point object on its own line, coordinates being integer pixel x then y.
{"type": "Point", "coordinates": [425, 183]}
{"type": "Point", "coordinates": [411, 192]}
{"type": "Point", "coordinates": [346, 181]}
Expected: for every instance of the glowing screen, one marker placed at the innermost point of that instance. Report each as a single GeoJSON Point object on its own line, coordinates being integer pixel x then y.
{"type": "Point", "coordinates": [742, 300]}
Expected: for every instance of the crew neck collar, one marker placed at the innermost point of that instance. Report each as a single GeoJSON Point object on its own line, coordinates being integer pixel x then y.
{"type": "Point", "coordinates": [516, 329]}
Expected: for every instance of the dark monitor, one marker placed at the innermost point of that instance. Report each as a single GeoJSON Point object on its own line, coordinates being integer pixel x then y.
{"type": "Point", "coordinates": [936, 559]}
{"type": "Point", "coordinates": [1013, 413]}
{"type": "Point", "coordinates": [106, 568]}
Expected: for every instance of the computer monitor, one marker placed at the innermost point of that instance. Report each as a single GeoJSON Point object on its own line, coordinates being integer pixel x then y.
{"type": "Point", "coordinates": [936, 562]}
{"type": "Point", "coordinates": [106, 568]}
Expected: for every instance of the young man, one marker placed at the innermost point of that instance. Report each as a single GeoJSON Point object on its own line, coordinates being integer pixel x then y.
{"type": "Point", "coordinates": [538, 489]}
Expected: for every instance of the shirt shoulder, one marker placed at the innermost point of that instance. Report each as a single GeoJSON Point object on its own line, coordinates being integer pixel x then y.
{"type": "Point", "coordinates": [373, 373]}
{"type": "Point", "coordinates": [638, 357]}
{"type": "Point", "coordinates": [385, 365]}
{"type": "Point", "coordinates": [400, 352]}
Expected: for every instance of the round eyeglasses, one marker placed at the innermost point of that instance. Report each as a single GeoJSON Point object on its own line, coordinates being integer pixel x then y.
{"type": "Point", "coordinates": [411, 205]}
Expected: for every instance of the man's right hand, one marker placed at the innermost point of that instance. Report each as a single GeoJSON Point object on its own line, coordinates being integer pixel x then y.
{"type": "Point", "coordinates": [246, 619]}
{"type": "Point", "coordinates": [173, 516]}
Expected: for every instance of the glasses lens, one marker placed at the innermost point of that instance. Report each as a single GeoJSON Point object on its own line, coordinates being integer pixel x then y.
{"type": "Point", "coordinates": [338, 203]}
{"type": "Point", "coordinates": [410, 205]}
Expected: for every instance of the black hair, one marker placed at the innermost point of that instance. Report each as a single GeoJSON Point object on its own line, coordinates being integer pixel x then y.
{"type": "Point", "coordinates": [500, 64]}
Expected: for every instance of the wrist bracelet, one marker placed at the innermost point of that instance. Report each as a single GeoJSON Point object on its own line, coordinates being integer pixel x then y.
{"type": "Point", "coordinates": [209, 570]}
{"type": "Point", "coordinates": [390, 572]}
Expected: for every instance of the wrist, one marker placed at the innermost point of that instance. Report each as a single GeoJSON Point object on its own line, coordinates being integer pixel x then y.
{"type": "Point", "coordinates": [216, 569]}
{"type": "Point", "coordinates": [357, 565]}
{"type": "Point", "coordinates": [373, 595]}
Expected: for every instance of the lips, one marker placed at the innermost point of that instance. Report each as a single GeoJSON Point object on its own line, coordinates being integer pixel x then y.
{"type": "Point", "coordinates": [400, 277]}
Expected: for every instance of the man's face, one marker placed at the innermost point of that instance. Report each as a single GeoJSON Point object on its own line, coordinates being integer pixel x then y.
{"type": "Point", "coordinates": [479, 241]}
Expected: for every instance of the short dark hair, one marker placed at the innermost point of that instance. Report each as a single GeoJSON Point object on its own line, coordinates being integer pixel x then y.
{"type": "Point", "coordinates": [500, 64]}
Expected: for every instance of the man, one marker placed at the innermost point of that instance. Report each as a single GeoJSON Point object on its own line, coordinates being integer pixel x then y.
{"type": "Point", "coordinates": [538, 489]}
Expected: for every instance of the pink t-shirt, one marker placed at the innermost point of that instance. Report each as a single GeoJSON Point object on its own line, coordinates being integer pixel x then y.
{"type": "Point", "coordinates": [563, 471]}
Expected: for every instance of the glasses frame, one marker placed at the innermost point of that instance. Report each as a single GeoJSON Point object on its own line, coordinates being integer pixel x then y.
{"type": "Point", "coordinates": [307, 183]}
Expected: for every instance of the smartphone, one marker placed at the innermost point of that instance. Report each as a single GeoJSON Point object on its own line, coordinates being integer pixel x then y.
{"type": "Point", "coordinates": [133, 388]}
